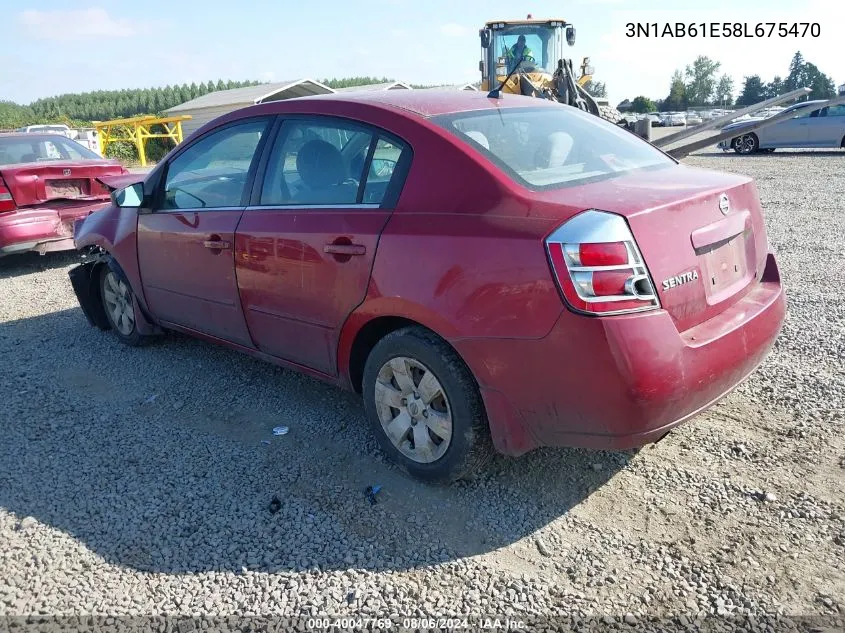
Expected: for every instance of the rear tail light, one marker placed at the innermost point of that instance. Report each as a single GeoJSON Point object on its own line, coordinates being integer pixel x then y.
{"type": "Point", "coordinates": [598, 266]}
{"type": "Point", "coordinates": [7, 203]}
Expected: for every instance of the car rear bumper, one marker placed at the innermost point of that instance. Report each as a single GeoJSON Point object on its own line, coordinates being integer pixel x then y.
{"type": "Point", "coordinates": [620, 382]}
{"type": "Point", "coordinates": [41, 229]}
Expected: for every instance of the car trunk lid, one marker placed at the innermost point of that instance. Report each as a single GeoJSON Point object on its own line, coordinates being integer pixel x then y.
{"type": "Point", "coordinates": [701, 233]}
{"type": "Point", "coordinates": [34, 184]}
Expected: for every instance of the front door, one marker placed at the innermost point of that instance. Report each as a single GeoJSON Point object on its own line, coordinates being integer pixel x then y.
{"type": "Point", "coordinates": [305, 252]}
{"type": "Point", "coordinates": [793, 132]}
{"type": "Point", "coordinates": [186, 243]}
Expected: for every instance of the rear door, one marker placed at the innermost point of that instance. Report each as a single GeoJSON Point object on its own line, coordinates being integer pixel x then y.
{"type": "Point", "coordinates": [186, 242]}
{"type": "Point", "coordinates": [304, 252]}
{"type": "Point", "coordinates": [828, 128]}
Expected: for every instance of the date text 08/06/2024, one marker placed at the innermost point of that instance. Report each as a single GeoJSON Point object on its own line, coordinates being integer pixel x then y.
{"type": "Point", "coordinates": [723, 29]}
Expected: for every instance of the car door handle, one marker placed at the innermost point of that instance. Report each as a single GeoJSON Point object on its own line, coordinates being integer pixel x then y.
{"type": "Point", "coordinates": [217, 244]}
{"type": "Point", "coordinates": [345, 249]}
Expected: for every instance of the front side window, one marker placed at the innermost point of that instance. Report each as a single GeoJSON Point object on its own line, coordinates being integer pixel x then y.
{"type": "Point", "coordinates": [213, 172]}
{"type": "Point", "coordinates": [837, 110]}
{"type": "Point", "coordinates": [544, 148]}
{"type": "Point", "coordinates": [323, 163]}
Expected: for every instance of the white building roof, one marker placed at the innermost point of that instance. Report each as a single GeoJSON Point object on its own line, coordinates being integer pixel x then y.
{"type": "Point", "coordinates": [390, 85]}
{"type": "Point", "coordinates": [254, 94]}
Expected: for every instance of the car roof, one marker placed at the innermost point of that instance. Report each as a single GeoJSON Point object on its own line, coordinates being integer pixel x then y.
{"type": "Point", "coordinates": [431, 102]}
{"type": "Point", "coordinates": [804, 104]}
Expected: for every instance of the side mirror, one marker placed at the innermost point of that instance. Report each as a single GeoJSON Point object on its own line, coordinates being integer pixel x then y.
{"type": "Point", "coordinates": [131, 197]}
{"type": "Point", "coordinates": [570, 35]}
{"type": "Point", "coordinates": [484, 34]}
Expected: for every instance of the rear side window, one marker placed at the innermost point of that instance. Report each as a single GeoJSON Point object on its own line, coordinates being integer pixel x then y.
{"type": "Point", "coordinates": [326, 162]}
{"type": "Point", "coordinates": [544, 148]}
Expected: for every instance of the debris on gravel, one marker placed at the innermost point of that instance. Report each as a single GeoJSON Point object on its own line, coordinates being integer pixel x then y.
{"type": "Point", "coordinates": [116, 502]}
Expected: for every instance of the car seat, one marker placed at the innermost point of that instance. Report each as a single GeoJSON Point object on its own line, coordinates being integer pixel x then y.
{"type": "Point", "coordinates": [321, 169]}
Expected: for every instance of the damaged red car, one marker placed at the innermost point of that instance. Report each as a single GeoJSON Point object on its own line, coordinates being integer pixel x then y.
{"type": "Point", "coordinates": [47, 182]}
{"type": "Point", "coordinates": [489, 274]}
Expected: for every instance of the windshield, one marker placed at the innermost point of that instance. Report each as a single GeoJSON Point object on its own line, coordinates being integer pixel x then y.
{"type": "Point", "coordinates": [36, 149]}
{"type": "Point", "coordinates": [540, 44]}
{"type": "Point", "coordinates": [544, 148]}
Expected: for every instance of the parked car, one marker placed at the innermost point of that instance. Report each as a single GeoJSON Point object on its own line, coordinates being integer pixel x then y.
{"type": "Point", "coordinates": [47, 182]}
{"type": "Point", "coordinates": [674, 118]}
{"type": "Point", "coordinates": [810, 126]}
{"type": "Point", "coordinates": [505, 274]}
{"type": "Point", "coordinates": [693, 118]}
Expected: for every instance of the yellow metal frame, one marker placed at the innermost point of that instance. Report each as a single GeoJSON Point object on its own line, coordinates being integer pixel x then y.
{"type": "Point", "coordinates": [139, 131]}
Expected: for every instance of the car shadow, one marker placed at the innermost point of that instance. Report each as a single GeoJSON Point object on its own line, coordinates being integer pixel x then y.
{"type": "Point", "coordinates": [27, 263]}
{"type": "Point", "coordinates": [163, 459]}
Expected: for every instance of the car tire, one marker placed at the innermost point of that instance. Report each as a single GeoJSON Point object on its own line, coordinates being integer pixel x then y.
{"type": "Point", "coordinates": [747, 144]}
{"type": "Point", "coordinates": [119, 305]}
{"type": "Point", "coordinates": [415, 433]}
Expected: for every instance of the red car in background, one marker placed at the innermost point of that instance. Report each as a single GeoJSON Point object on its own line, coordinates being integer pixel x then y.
{"type": "Point", "coordinates": [47, 182]}
{"type": "Point", "coordinates": [488, 273]}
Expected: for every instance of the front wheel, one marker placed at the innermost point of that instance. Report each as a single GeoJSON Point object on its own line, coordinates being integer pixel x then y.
{"type": "Point", "coordinates": [747, 144]}
{"type": "Point", "coordinates": [425, 408]}
{"type": "Point", "coordinates": [119, 305]}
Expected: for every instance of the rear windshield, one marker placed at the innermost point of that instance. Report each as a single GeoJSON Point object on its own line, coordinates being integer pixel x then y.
{"type": "Point", "coordinates": [36, 149]}
{"type": "Point", "coordinates": [545, 148]}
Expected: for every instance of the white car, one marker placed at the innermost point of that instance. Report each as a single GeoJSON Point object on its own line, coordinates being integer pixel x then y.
{"type": "Point", "coordinates": [693, 118]}
{"type": "Point", "coordinates": [674, 118]}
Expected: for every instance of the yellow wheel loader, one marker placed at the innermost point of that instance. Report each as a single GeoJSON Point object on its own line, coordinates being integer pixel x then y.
{"type": "Point", "coordinates": [526, 57]}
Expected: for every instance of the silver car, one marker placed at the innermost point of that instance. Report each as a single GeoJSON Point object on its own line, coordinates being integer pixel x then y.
{"type": "Point", "coordinates": [809, 127]}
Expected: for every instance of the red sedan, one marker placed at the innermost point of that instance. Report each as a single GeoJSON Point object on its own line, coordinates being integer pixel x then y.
{"type": "Point", "coordinates": [47, 182]}
{"type": "Point", "coordinates": [488, 274]}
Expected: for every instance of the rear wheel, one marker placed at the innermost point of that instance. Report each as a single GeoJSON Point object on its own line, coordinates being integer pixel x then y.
{"type": "Point", "coordinates": [747, 144]}
{"type": "Point", "coordinates": [424, 407]}
{"type": "Point", "coordinates": [119, 305]}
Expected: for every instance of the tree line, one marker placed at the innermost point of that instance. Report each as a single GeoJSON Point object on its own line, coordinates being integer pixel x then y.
{"type": "Point", "coordinates": [701, 85]}
{"type": "Point", "coordinates": [80, 109]}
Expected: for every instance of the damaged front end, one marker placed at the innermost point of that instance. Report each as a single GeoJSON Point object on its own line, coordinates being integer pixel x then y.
{"type": "Point", "coordinates": [85, 280]}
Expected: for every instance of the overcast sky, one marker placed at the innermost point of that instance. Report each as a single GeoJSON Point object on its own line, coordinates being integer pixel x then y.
{"type": "Point", "coordinates": [54, 47]}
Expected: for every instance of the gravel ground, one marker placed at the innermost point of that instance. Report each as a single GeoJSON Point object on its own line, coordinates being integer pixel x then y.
{"type": "Point", "coordinates": [136, 481]}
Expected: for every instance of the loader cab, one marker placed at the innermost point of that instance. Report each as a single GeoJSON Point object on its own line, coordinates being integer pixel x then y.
{"type": "Point", "coordinates": [545, 38]}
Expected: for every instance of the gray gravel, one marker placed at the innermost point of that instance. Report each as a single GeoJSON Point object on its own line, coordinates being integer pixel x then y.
{"type": "Point", "coordinates": [137, 481]}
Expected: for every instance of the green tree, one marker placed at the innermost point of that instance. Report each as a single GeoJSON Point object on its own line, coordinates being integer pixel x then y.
{"type": "Point", "coordinates": [821, 85]}
{"type": "Point", "coordinates": [725, 90]}
{"type": "Point", "coordinates": [797, 77]}
{"type": "Point", "coordinates": [775, 87]}
{"type": "Point", "coordinates": [642, 105]}
{"type": "Point", "coordinates": [677, 99]}
{"type": "Point", "coordinates": [701, 80]}
{"type": "Point", "coordinates": [753, 91]}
